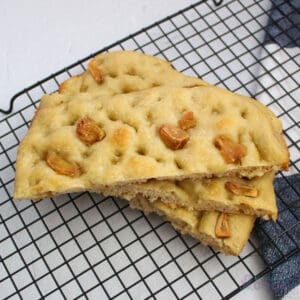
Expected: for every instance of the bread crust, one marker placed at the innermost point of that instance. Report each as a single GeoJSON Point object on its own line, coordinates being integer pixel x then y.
{"type": "Point", "coordinates": [124, 121]}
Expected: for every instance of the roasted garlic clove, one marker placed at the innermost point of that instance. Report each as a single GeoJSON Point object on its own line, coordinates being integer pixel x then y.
{"type": "Point", "coordinates": [89, 132]}
{"type": "Point", "coordinates": [231, 151]}
{"type": "Point", "coordinates": [95, 71]}
{"type": "Point", "coordinates": [187, 121]}
{"type": "Point", "coordinates": [241, 190]}
{"type": "Point", "coordinates": [61, 166]}
{"type": "Point", "coordinates": [222, 229]}
{"type": "Point", "coordinates": [173, 137]}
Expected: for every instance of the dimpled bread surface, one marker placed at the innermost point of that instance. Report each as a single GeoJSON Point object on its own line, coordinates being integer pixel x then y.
{"type": "Point", "coordinates": [132, 150]}
{"type": "Point", "coordinates": [201, 225]}
{"type": "Point", "coordinates": [127, 71]}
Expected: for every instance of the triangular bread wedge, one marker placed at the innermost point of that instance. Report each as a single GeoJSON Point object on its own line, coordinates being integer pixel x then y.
{"type": "Point", "coordinates": [127, 145]}
{"type": "Point", "coordinates": [122, 72]}
{"type": "Point", "coordinates": [202, 225]}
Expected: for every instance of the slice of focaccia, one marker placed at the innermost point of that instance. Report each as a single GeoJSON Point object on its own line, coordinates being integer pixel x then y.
{"type": "Point", "coordinates": [228, 194]}
{"type": "Point", "coordinates": [123, 72]}
{"type": "Point", "coordinates": [91, 142]}
{"type": "Point", "coordinates": [203, 225]}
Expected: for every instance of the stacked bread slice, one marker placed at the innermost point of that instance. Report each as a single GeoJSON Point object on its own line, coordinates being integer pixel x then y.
{"type": "Point", "coordinates": [133, 127]}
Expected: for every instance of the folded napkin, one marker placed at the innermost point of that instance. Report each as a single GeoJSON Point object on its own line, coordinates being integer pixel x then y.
{"type": "Point", "coordinates": [279, 239]}
{"type": "Point", "coordinates": [283, 24]}
{"type": "Point", "coordinates": [285, 235]}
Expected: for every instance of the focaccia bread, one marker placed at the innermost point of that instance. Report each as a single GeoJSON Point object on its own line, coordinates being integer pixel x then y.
{"type": "Point", "coordinates": [229, 195]}
{"type": "Point", "coordinates": [127, 71]}
{"type": "Point", "coordinates": [123, 72]}
{"type": "Point", "coordinates": [202, 225]}
{"type": "Point", "coordinates": [89, 142]}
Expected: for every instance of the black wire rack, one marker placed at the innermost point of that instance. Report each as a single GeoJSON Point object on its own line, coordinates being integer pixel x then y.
{"type": "Point", "coordinates": [86, 246]}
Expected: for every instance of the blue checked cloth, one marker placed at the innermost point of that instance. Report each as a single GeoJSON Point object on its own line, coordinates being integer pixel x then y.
{"type": "Point", "coordinates": [283, 30]}
{"type": "Point", "coordinates": [285, 234]}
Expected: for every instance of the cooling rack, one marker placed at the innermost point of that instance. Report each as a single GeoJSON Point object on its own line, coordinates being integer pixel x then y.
{"type": "Point", "coordinates": [86, 246]}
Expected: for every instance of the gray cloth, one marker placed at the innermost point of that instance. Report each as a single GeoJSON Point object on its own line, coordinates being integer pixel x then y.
{"type": "Point", "coordinates": [281, 238]}
{"type": "Point", "coordinates": [283, 25]}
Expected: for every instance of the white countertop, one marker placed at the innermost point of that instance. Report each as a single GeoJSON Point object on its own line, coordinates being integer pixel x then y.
{"type": "Point", "coordinates": [41, 37]}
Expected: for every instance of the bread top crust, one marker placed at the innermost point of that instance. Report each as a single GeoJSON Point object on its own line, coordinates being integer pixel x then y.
{"type": "Point", "coordinates": [124, 72]}
{"type": "Point", "coordinates": [132, 150]}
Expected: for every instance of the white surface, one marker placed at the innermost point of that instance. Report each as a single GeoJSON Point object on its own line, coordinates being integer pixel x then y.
{"type": "Point", "coordinates": [40, 37]}
{"type": "Point", "coordinates": [293, 294]}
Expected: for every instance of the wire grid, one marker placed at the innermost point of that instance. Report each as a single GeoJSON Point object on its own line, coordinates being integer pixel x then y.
{"type": "Point", "coordinates": [85, 246]}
